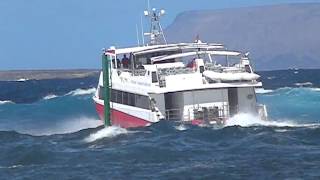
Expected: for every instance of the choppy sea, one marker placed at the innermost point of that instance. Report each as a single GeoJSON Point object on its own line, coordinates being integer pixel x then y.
{"type": "Point", "coordinates": [49, 130]}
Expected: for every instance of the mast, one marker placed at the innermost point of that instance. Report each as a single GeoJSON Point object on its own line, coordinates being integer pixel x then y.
{"type": "Point", "coordinates": [156, 34]}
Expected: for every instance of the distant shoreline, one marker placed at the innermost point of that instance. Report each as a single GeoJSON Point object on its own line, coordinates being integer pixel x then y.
{"type": "Point", "coordinates": [22, 75]}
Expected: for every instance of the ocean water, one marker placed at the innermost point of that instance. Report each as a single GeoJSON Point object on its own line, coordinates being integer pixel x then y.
{"type": "Point", "coordinates": [49, 130]}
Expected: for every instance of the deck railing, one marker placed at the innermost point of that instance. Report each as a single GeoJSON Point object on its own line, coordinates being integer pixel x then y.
{"type": "Point", "coordinates": [206, 114]}
{"type": "Point", "coordinates": [209, 114]}
{"type": "Point", "coordinates": [175, 71]}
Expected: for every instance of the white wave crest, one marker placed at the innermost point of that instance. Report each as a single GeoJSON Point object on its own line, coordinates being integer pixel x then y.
{"type": "Point", "coordinates": [248, 120]}
{"type": "Point", "coordinates": [11, 167]}
{"type": "Point", "coordinates": [181, 127]}
{"type": "Point", "coordinates": [81, 92]}
{"type": "Point", "coordinates": [50, 96]}
{"type": "Point", "coordinates": [304, 84]}
{"type": "Point", "coordinates": [315, 89]}
{"type": "Point", "coordinates": [107, 132]}
{"type": "Point", "coordinates": [22, 79]}
{"type": "Point", "coordinates": [6, 102]}
{"type": "Point", "coordinates": [263, 91]}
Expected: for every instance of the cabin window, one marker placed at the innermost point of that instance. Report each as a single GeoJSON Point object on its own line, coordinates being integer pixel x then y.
{"type": "Point", "coordinates": [247, 68]}
{"type": "Point", "coordinates": [154, 77]}
{"type": "Point", "coordinates": [113, 95]}
{"type": "Point", "coordinates": [142, 102]}
{"type": "Point", "coordinates": [201, 69]}
{"type": "Point", "coordinates": [131, 99]}
{"type": "Point", "coordinates": [125, 98]}
{"type": "Point", "coordinates": [101, 92]}
{"type": "Point", "coordinates": [119, 97]}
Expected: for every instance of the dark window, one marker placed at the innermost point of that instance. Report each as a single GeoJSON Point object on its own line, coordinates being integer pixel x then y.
{"type": "Point", "coordinates": [113, 95]}
{"type": "Point", "coordinates": [201, 69]}
{"type": "Point", "coordinates": [128, 99]}
{"type": "Point", "coordinates": [247, 68]}
{"type": "Point", "coordinates": [119, 97]}
{"type": "Point", "coordinates": [101, 92]}
{"type": "Point", "coordinates": [142, 102]}
{"type": "Point", "coordinates": [131, 99]}
{"type": "Point", "coordinates": [125, 99]}
{"type": "Point", "coordinates": [154, 77]}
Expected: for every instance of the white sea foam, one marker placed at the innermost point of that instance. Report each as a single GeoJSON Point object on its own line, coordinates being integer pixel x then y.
{"type": "Point", "coordinates": [6, 102]}
{"type": "Point", "coordinates": [22, 80]}
{"type": "Point", "coordinates": [181, 127]}
{"type": "Point", "coordinates": [281, 130]}
{"type": "Point", "coordinates": [81, 92]}
{"type": "Point", "coordinates": [248, 120]}
{"type": "Point", "coordinates": [315, 89]}
{"type": "Point", "coordinates": [108, 132]}
{"type": "Point", "coordinates": [304, 84]}
{"type": "Point", "coordinates": [263, 91]}
{"type": "Point", "coordinates": [50, 96]}
{"type": "Point", "coordinates": [11, 167]}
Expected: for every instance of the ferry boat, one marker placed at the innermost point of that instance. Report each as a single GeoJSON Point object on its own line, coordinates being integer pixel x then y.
{"type": "Point", "coordinates": [197, 83]}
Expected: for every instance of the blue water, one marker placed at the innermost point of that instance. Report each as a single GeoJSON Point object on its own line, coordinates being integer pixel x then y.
{"type": "Point", "coordinates": [58, 137]}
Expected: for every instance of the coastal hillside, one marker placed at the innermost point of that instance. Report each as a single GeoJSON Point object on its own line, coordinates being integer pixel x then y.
{"type": "Point", "coordinates": [278, 37]}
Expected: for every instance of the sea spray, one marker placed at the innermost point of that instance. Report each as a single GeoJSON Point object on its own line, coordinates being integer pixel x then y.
{"type": "Point", "coordinates": [80, 92]}
{"type": "Point", "coordinates": [6, 102]}
{"type": "Point", "coordinates": [181, 127]}
{"type": "Point", "coordinates": [77, 92]}
{"type": "Point", "coordinates": [107, 132]}
{"type": "Point", "coordinates": [50, 96]}
{"type": "Point", "coordinates": [263, 91]}
{"type": "Point", "coordinates": [249, 120]}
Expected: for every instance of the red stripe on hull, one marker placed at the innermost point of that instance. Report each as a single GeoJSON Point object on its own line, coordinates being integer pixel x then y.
{"type": "Point", "coordinates": [122, 119]}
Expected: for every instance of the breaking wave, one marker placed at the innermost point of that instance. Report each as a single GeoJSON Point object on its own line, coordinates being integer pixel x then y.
{"type": "Point", "coordinates": [181, 127]}
{"type": "Point", "coordinates": [22, 80]}
{"type": "Point", "coordinates": [248, 120]}
{"type": "Point", "coordinates": [50, 96]}
{"type": "Point", "coordinates": [77, 92]}
{"type": "Point", "coordinates": [80, 92]}
{"type": "Point", "coordinates": [315, 89]}
{"type": "Point", "coordinates": [6, 102]}
{"type": "Point", "coordinates": [287, 90]}
{"type": "Point", "coordinates": [304, 84]}
{"type": "Point", "coordinates": [263, 91]}
{"type": "Point", "coordinates": [108, 132]}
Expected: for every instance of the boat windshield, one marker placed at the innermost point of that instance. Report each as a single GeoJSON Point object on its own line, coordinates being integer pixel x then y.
{"type": "Point", "coordinates": [145, 58]}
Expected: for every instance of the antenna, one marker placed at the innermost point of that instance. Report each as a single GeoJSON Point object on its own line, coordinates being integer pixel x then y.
{"type": "Point", "coordinates": [142, 30]}
{"type": "Point", "coordinates": [137, 31]}
{"type": "Point", "coordinates": [148, 5]}
{"type": "Point", "coordinates": [156, 33]}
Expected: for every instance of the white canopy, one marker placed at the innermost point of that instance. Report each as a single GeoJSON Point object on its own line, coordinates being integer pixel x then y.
{"type": "Point", "coordinates": [173, 56]}
{"type": "Point", "coordinates": [155, 48]}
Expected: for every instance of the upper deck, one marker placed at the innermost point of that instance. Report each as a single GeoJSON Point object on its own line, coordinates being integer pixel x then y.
{"type": "Point", "coordinates": [178, 67]}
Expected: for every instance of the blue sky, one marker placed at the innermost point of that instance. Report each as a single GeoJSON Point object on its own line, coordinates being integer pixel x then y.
{"type": "Point", "coordinates": [68, 34]}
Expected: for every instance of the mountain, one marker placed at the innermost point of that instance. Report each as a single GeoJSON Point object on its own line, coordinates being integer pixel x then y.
{"type": "Point", "coordinates": [278, 36]}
